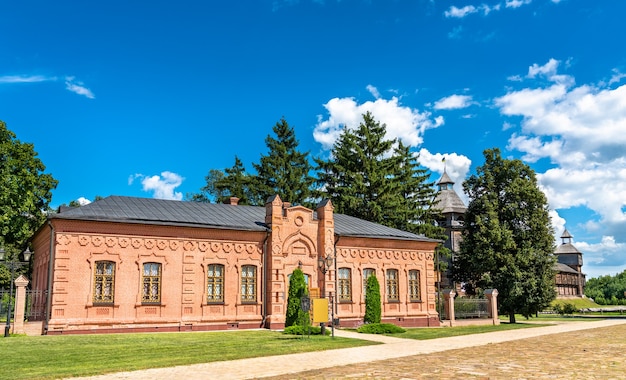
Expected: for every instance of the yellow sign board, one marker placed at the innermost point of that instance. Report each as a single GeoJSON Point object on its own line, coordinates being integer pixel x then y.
{"type": "Point", "coordinates": [320, 310]}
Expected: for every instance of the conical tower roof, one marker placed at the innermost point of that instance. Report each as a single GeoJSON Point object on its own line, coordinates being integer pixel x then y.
{"type": "Point", "coordinates": [447, 200]}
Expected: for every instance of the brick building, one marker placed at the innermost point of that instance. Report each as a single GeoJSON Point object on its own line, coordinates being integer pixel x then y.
{"type": "Point", "coordinates": [135, 264]}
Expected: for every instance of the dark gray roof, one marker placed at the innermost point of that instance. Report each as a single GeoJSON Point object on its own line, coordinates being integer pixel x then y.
{"type": "Point", "coordinates": [559, 267]}
{"type": "Point", "coordinates": [210, 215]}
{"type": "Point", "coordinates": [449, 201]}
{"type": "Point", "coordinates": [566, 234]}
{"type": "Point", "coordinates": [445, 179]}
{"type": "Point", "coordinates": [567, 248]}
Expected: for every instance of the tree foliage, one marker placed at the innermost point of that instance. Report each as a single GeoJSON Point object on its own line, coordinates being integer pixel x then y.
{"type": "Point", "coordinates": [285, 170]}
{"type": "Point", "coordinates": [508, 242]}
{"type": "Point", "coordinates": [607, 290]}
{"type": "Point", "coordinates": [26, 192]}
{"type": "Point", "coordinates": [357, 178]}
{"type": "Point", "coordinates": [297, 289]}
{"type": "Point", "coordinates": [380, 180]}
{"type": "Point", "coordinates": [373, 309]}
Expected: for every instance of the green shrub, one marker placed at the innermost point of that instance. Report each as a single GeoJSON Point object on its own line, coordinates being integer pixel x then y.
{"type": "Point", "coordinates": [380, 328]}
{"type": "Point", "coordinates": [297, 289]}
{"type": "Point", "coordinates": [304, 330]}
{"type": "Point", "coordinates": [372, 301]}
{"type": "Point", "coordinates": [566, 308]}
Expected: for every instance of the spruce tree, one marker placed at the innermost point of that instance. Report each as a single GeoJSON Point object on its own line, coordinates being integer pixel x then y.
{"type": "Point", "coordinates": [373, 310]}
{"type": "Point", "coordinates": [285, 170]}
{"type": "Point", "coordinates": [359, 176]}
{"type": "Point", "coordinates": [235, 183]}
{"type": "Point", "coordinates": [508, 242]}
{"type": "Point", "coordinates": [297, 289]}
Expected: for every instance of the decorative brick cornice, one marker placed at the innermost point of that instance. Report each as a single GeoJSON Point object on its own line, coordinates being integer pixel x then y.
{"type": "Point", "coordinates": [187, 245]}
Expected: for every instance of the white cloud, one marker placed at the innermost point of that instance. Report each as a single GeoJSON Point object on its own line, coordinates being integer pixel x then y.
{"type": "Point", "coordinates": [162, 186]}
{"type": "Point", "coordinates": [457, 166]}
{"type": "Point", "coordinates": [581, 131]}
{"type": "Point", "coordinates": [558, 224]}
{"type": "Point", "coordinates": [402, 122]}
{"type": "Point", "coordinates": [25, 79]}
{"type": "Point", "coordinates": [78, 87]}
{"type": "Point", "coordinates": [374, 91]}
{"type": "Point", "coordinates": [517, 3]}
{"type": "Point", "coordinates": [83, 201]}
{"type": "Point", "coordinates": [453, 102]}
{"type": "Point", "coordinates": [617, 77]}
{"type": "Point", "coordinates": [455, 12]}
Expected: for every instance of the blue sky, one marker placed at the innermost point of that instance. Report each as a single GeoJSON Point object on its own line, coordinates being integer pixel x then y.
{"type": "Point", "coordinates": [143, 98]}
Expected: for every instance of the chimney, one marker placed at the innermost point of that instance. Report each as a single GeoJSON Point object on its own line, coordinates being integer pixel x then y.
{"type": "Point", "coordinates": [233, 201]}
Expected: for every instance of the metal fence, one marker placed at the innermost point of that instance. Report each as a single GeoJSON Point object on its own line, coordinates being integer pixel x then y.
{"type": "Point", "coordinates": [34, 309]}
{"type": "Point", "coordinates": [471, 307]}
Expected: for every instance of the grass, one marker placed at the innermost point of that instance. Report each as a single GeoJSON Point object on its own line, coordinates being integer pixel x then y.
{"type": "Point", "coordinates": [53, 357]}
{"type": "Point", "coordinates": [444, 332]}
{"type": "Point", "coordinates": [579, 303]}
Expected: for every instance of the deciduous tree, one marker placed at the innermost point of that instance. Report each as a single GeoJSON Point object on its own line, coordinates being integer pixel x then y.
{"type": "Point", "coordinates": [26, 192]}
{"type": "Point", "coordinates": [508, 242]}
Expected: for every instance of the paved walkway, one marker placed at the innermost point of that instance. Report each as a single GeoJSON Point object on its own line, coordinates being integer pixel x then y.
{"type": "Point", "coordinates": [392, 348]}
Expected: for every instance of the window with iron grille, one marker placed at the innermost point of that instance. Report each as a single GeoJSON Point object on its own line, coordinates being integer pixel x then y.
{"type": "Point", "coordinates": [414, 285]}
{"type": "Point", "coordinates": [215, 283]}
{"type": "Point", "coordinates": [151, 283]}
{"type": "Point", "coordinates": [367, 272]}
{"type": "Point", "coordinates": [104, 282]}
{"type": "Point", "coordinates": [345, 285]}
{"type": "Point", "coordinates": [248, 283]}
{"type": "Point", "coordinates": [392, 285]}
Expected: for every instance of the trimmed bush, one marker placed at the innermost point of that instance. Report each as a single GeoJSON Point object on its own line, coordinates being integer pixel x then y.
{"type": "Point", "coordinates": [304, 330]}
{"type": "Point", "coordinates": [372, 301]}
{"type": "Point", "coordinates": [380, 328]}
{"type": "Point", "coordinates": [297, 289]}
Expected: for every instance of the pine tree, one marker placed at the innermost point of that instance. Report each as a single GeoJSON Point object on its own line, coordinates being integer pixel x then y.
{"type": "Point", "coordinates": [285, 170]}
{"type": "Point", "coordinates": [359, 177]}
{"type": "Point", "coordinates": [235, 183]}
{"type": "Point", "coordinates": [508, 242]}
{"type": "Point", "coordinates": [297, 289]}
{"type": "Point", "coordinates": [373, 309]}
{"type": "Point", "coordinates": [209, 191]}
{"type": "Point", "coordinates": [416, 195]}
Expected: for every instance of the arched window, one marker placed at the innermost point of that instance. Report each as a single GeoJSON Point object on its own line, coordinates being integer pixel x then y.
{"type": "Point", "coordinates": [344, 293]}
{"type": "Point", "coordinates": [367, 272]}
{"type": "Point", "coordinates": [248, 283]}
{"type": "Point", "coordinates": [151, 283]}
{"type": "Point", "coordinates": [215, 283]}
{"type": "Point", "coordinates": [414, 286]}
{"type": "Point", "coordinates": [392, 285]}
{"type": "Point", "coordinates": [104, 282]}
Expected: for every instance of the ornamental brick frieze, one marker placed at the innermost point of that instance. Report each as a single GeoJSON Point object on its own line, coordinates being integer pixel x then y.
{"type": "Point", "coordinates": [159, 244]}
{"type": "Point", "coordinates": [383, 254]}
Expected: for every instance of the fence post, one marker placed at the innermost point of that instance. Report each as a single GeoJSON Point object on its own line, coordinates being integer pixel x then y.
{"type": "Point", "coordinates": [448, 305]}
{"type": "Point", "coordinates": [20, 304]}
{"type": "Point", "coordinates": [492, 296]}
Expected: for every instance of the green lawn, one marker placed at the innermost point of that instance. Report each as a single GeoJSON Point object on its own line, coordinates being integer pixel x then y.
{"type": "Point", "coordinates": [444, 332]}
{"type": "Point", "coordinates": [52, 357]}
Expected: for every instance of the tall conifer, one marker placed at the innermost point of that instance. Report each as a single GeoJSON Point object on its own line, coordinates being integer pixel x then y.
{"type": "Point", "coordinates": [285, 170]}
